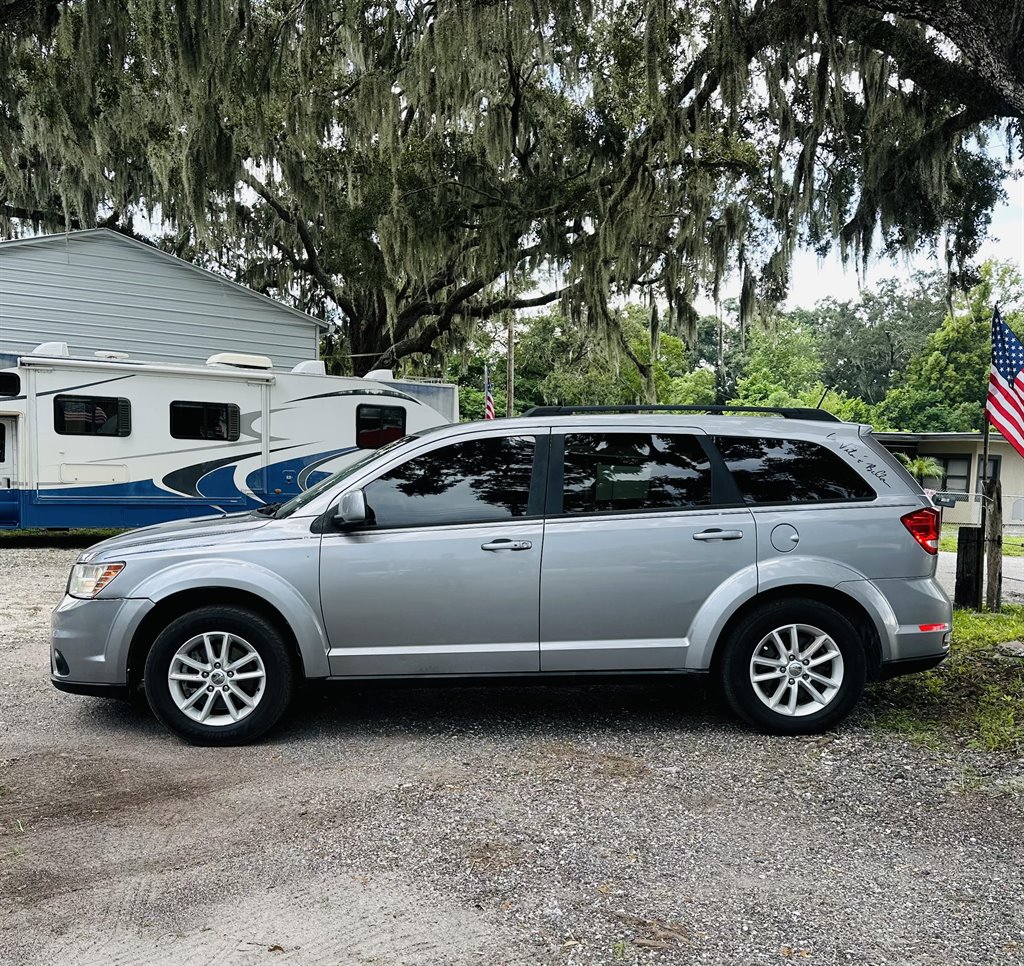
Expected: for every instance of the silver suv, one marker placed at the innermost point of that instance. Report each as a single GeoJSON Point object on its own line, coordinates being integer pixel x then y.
{"type": "Point", "coordinates": [792, 558]}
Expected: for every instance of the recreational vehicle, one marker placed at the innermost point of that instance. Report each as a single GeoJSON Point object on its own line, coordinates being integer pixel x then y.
{"type": "Point", "coordinates": [108, 441]}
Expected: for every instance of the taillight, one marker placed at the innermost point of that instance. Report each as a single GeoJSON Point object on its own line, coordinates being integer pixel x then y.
{"type": "Point", "coordinates": [924, 527]}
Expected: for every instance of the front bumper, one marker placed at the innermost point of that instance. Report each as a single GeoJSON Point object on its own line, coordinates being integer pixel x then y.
{"type": "Point", "coordinates": [90, 641]}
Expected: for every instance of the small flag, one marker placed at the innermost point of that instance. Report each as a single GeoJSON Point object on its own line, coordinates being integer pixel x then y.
{"type": "Point", "coordinates": [488, 396]}
{"type": "Point", "coordinates": [1004, 405]}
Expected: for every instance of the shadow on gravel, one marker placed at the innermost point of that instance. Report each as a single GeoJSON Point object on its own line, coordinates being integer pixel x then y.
{"type": "Point", "coordinates": [548, 709]}
{"type": "Point", "coordinates": [387, 709]}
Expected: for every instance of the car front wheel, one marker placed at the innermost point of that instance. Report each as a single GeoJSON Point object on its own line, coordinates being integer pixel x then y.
{"type": "Point", "coordinates": [219, 676]}
{"type": "Point", "coordinates": [793, 667]}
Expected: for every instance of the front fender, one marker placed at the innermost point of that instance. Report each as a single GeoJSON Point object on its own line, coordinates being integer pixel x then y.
{"type": "Point", "coordinates": [248, 577]}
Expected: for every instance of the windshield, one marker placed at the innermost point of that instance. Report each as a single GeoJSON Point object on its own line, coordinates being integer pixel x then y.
{"type": "Point", "coordinates": [314, 491]}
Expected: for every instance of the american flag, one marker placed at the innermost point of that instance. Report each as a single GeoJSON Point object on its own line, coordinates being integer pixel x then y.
{"type": "Point", "coordinates": [488, 397]}
{"type": "Point", "coordinates": [1005, 403]}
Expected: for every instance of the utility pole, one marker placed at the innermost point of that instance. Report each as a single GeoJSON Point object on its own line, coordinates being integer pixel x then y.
{"type": "Point", "coordinates": [510, 366]}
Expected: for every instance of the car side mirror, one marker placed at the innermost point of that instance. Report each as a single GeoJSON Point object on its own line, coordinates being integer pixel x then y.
{"type": "Point", "coordinates": [352, 511]}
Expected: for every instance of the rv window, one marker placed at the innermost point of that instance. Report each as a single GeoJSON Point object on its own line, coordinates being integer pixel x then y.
{"type": "Point", "coordinates": [92, 416]}
{"type": "Point", "coordinates": [3, 442]}
{"type": "Point", "coordinates": [204, 420]}
{"type": "Point", "coordinates": [10, 384]}
{"type": "Point", "coordinates": [377, 425]}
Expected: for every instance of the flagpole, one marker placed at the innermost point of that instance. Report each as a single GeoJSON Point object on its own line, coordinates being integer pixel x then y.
{"type": "Point", "coordinates": [982, 543]}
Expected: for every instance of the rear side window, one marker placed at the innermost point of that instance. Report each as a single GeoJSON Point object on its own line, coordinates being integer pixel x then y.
{"type": "Point", "coordinates": [92, 416]}
{"type": "Point", "coordinates": [790, 471]}
{"type": "Point", "coordinates": [476, 481]}
{"type": "Point", "coordinates": [378, 425]}
{"type": "Point", "coordinates": [205, 420]}
{"type": "Point", "coordinates": [621, 472]}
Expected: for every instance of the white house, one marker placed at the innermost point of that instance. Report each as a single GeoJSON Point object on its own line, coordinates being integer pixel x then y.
{"type": "Point", "coordinates": [960, 456]}
{"type": "Point", "coordinates": [100, 290]}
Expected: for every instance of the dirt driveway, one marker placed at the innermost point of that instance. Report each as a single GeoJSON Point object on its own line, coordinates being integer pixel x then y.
{"type": "Point", "coordinates": [567, 825]}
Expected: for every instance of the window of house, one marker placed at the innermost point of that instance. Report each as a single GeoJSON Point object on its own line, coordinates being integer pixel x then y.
{"type": "Point", "coordinates": [205, 420]}
{"type": "Point", "coordinates": [956, 474]}
{"type": "Point", "coordinates": [622, 472]}
{"type": "Point", "coordinates": [476, 481]}
{"type": "Point", "coordinates": [993, 469]}
{"type": "Point", "coordinates": [378, 425]}
{"type": "Point", "coordinates": [790, 471]}
{"type": "Point", "coordinates": [92, 416]}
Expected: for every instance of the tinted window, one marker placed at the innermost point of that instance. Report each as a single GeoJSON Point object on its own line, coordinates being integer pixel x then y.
{"type": "Point", "coordinates": [378, 425]}
{"type": "Point", "coordinates": [608, 472]}
{"type": "Point", "coordinates": [92, 416]}
{"type": "Point", "coordinates": [3, 442]}
{"type": "Point", "coordinates": [472, 482]}
{"type": "Point", "coordinates": [790, 471]}
{"type": "Point", "coordinates": [204, 420]}
{"type": "Point", "coordinates": [10, 384]}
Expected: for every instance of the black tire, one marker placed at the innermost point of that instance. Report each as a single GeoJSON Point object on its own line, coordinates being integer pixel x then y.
{"type": "Point", "coordinates": [748, 635]}
{"type": "Point", "coordinates": [274, 692]}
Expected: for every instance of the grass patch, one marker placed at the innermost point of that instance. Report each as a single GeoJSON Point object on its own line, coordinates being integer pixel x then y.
{"type": "Point", "coordinates": [976, 695]}
{"type": "Point", "coordinates": [1013, 546]}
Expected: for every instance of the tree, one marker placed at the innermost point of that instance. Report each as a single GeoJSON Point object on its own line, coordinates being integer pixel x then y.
{"type": "Point", "coordinates": [946, 382]}
{"type": "Point", "coordinates": [410, 170]}
{"type": "Point", "coordinates": [865, 344]}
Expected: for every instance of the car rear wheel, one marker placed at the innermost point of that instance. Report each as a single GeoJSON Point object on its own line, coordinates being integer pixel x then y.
{"type": "Point", "coordinates": [793, 667]}
{"type": "Point", "coordinates": [219, 676]}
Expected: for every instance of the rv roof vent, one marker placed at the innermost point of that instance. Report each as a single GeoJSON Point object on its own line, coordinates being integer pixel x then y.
{"type": "Point", "coordinates": [381, 375]}
{"type": "Point", "coordinates": [51, 349]}
{"type": "Point", "coordinates": [311, 367]}
{"type": "Point", "coordinates": [240, 360]}
{"type": "Point", "coordinates": [111, 354]}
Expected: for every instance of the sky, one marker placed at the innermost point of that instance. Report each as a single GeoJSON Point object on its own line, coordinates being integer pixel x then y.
{"type": "Point", "coordinates": [813, 279]}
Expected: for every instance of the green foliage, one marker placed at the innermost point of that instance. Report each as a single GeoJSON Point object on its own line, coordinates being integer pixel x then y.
{"type": "Point", "coordinates": [921, 467]}
{"type": "Point", "coordinates": [947, 380]}
{"type": "Point", "coordinates": [411, 170]}
{"type": "Point", "coordinates": [975, 696]}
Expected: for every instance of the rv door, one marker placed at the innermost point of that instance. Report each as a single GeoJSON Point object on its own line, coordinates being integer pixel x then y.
{"type": "Point", "coordinates": [8, 473]}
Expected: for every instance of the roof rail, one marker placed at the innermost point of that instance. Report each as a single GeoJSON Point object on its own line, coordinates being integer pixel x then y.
{"type": "Point", "coordinates": [787, 412]}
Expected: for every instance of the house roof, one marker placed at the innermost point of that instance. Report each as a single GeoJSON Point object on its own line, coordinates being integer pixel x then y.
{"type": "Point", "coordinates": [936, 437]}
{"type": "Point", "coordinates": [107, 234]}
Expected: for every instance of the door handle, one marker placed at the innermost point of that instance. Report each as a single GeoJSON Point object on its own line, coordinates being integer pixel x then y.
{"type": "Point", "coordinates": [506, 544]}
{"type": "Point", "coordinates": [719, 535]}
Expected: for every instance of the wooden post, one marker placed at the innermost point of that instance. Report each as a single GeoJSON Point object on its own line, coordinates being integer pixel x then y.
{"type": "Point", "coordinates": [994, 544]}
{"type": "Point", "coordinates": [967, 591]}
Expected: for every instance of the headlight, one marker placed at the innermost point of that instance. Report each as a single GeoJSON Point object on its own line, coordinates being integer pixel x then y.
{"type": "Point", "coordinates": [87, 580]}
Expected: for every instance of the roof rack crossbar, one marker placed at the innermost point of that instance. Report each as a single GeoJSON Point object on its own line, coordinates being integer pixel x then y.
{"type": "Point", "coordinates": [787, 412]}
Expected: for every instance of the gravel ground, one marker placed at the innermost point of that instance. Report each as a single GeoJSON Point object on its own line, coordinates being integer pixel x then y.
{"type": "Point", "coordinates": [564, 825]}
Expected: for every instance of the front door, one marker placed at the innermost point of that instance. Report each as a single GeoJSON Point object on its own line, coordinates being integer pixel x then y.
{"type": "Point", "coordinates": [446, 579]}
{"type": "Point", "coordinates": [633, 546]}
{"type": "Point", "coordinates": [8, 474]}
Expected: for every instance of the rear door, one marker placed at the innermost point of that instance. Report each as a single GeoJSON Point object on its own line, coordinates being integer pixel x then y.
{"type": "Point", "coordinates": [637, 537]}
{"type": "Point", "coordinates": [823, 500]}
{"type": "Point", "coordinates": [8, 473]}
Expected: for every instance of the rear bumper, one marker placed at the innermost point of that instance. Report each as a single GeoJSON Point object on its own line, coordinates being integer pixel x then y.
{"type": "Point", "coordinates": [911, 665]}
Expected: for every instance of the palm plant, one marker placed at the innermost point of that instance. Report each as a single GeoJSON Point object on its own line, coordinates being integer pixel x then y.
{"type": "Point", "coordinates": [921, 467]}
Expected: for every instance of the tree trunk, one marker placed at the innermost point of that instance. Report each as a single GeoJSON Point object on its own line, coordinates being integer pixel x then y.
{"type": "Point", "coordinates": [994, 545]}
